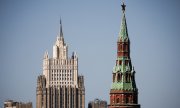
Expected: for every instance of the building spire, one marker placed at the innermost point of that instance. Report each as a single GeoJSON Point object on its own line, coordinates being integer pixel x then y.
{"type": "Point", "coordinates": [123, 35]}
{"type": "Point", "coordinates": [61, 32]}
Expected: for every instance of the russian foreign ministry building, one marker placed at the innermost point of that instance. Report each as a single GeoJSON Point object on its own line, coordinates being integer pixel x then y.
{"type": "Point", "coordinates": [60, 86]}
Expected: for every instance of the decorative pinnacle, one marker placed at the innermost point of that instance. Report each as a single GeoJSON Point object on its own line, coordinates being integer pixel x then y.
{"type": "Point", "coordinates": [123, 6]}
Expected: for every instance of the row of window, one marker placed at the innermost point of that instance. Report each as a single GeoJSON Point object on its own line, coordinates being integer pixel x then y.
{"type": "Point", "coordinates": [61, 62]}
{"type": "Point", "coordinates": [123, 47]}
{"type": "Point", "coordinates": [54, 78]}
{"type": "Point", "coordinates": [61, 83]}
{"type": "Point", "coordinates": [118, 77]}
{"type": "Point", "coordinates": [121, 99]}
{"type": "Point", "coordinates": [59, 70]}
{"type": "Point", "coordinates": [61, 75]}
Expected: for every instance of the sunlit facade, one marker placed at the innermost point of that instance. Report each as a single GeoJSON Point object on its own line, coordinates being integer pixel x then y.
{"type": "Point", "coordinates": [60, 86]}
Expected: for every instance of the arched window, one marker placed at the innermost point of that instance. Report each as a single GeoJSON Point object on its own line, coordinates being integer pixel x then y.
{"type": "Point", "coordinates": [117, 101]}
{"type": "Point", "coordinates": [120, 61]}
{"type": "Point", "coordinates": [126, 77]}
{"type": "Point", "coordinates": [121, 47]}
{"type": "Point", "coordinates": [127, 99]}
{"type": "Point", "coordinates": [119, 77]}
{"type": "Point", "coordinates": [132, 77]}
{"type": "Point", "coordinates": [130, 99]}
{"type": "Point", "coordinates": [126, 47]}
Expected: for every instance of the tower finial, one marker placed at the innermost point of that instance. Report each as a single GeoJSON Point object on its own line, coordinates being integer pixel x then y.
{"type": "Point", "coordinates": [123, 6]}
{"type": "Point", "coordinates": [61, 32]}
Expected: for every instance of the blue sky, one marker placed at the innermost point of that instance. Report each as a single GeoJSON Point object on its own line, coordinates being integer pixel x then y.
{"type": "Point", "coordinates": [29, 27]}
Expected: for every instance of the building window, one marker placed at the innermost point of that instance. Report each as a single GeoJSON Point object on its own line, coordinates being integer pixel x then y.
{"type": "Point", "coordinates": [127, 77]}
{"type": "Point", "coordinates": [117, 101]}
{"type": "Point", "coordinates": [119, 78]}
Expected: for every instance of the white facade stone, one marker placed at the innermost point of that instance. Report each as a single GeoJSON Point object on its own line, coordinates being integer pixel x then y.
{"type": "Point", "coordinates": [60, 70]}
{"type": "Point", "coordinates": [60, 86]}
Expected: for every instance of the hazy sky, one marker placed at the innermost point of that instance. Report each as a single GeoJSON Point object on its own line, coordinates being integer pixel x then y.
{"type": "Point", "coordinates": [29, 27]}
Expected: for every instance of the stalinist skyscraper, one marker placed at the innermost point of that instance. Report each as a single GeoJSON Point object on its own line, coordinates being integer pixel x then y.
{"type": "Point", "coordinates": [60, 86]}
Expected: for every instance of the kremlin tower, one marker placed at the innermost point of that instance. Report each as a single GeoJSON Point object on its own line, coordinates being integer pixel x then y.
{"type": "Point", "coordinates": [123, 92]}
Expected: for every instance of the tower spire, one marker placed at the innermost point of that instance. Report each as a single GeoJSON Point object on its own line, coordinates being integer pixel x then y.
{"type": "Point", "coordinates": [123, 34]}
{"type": "Point", "coordinates": [61, 32]}
{"type": "Point", "coordinates": [123, 92]}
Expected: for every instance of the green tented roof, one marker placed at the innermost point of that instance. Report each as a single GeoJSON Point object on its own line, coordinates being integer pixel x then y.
{"type": "Point", "coordinates": [123, 35]}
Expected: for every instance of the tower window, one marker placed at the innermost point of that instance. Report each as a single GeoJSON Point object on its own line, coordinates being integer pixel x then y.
{"type": "Point", "coordinates": [119, 78]}
{"type": "Point", "coordinates": [126, 47]}
{"type": "Point", "coordinates": [120, 62]}
{"type": "Point", "coordinates": [121, 47]}
{"type": "Point", "coordinates": [117, 101]}
{"type": "Point", "coordinates": [127, 78]}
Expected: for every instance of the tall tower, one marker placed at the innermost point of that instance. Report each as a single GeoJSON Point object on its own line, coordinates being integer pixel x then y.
{"type": "Point", "coordinates": [60, 86]}
{"type": "Point", "coordinates": [123, 93]}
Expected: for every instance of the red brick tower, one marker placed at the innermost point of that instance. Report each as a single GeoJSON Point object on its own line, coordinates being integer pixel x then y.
{"type": "Point", "coordinates": [123, 92]}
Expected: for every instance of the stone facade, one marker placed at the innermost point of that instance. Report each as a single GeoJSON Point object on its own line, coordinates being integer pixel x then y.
{"type": "Point", "coordinates": [60, 86]}
{"type": "Point", "coordinates": [97, 103]}
{"type": "Point", "coordinates": [123, 93]}
{"type": "Point", "coordinates": [13, 104]}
